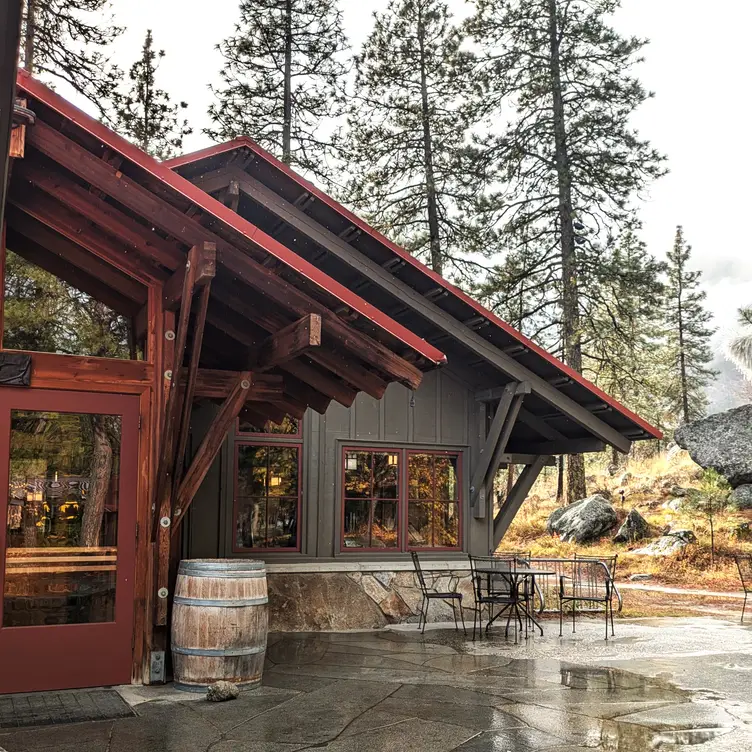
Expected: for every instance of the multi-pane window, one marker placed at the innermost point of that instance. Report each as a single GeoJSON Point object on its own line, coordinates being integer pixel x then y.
{"type": "Point", "coordinates": [400, 500]}
{"type": "Point", "coordinates": [371, 510]}
{"type": "Point", "coordinates": [433, 517]}
{"type": "Point", "coordinates": [267, 491]}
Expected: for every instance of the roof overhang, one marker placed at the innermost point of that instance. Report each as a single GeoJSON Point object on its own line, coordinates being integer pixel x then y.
{"type": "Point", "coordinates": [499, 348]}
{"type": "Point", "coordinates": [10, 30]}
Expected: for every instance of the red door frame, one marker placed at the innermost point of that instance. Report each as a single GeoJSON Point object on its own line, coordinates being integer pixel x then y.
{"type": "Point", "coordinates": [74, 655]}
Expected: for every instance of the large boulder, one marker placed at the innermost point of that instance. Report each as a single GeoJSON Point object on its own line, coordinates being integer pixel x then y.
{"type": "Point", "coordinates": [583, 521]}
{"type": "Point", "coordinates": [671, 543]}
{"type": "Point", "coordinates": [635, 527]}
{"type": "Point", "coordinates": [723, 442]}
{"type": "Point", "coordinates": [741, 497]}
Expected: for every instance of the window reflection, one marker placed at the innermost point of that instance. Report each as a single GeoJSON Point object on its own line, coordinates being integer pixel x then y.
{"type": "Point", "coordinates": [268, 496]}
{"type": "Point", "coordinates": [433, 504]}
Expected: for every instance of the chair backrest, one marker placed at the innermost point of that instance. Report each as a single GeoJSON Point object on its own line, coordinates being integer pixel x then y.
{"type": "Point", "coordinates": [521, 557]}
{"type": "Point", "coordinates": [547, 586]}
{"type": "Point", "coordinates": [419, 572]}
{"type": "Point", "coordinates": [608, 561]}
{"type": "Point", "coordinates": [592, 578]}
{"type": "Point", "coordinates": [744, 565]}
{"type": "Point", "coordinates": [486, 584]}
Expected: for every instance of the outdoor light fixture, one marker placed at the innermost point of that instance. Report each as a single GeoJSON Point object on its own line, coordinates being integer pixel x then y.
{"type": "Point", "coordinates": [275, 480]}
{"type": "Point", "coordinates": [391, 459]}
{"type": "Point", "coordinates": [351, 462]}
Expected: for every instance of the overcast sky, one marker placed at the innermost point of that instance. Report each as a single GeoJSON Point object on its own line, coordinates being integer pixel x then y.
{"type": "Point", "coordinates": [697, 64]}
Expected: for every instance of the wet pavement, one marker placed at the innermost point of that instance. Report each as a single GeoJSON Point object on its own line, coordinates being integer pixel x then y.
{"type": "Point", "coordinates": [662, 684]}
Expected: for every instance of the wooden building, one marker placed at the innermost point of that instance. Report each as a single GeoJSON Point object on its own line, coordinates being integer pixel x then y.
{"type": "Point", "coordinates": [299, 390]}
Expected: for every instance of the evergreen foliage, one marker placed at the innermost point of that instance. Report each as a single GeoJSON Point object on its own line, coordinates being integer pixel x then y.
{"type": "Point", "coordinates": [568, 159]}
{"type": "Point", "coordinates": [740, 348]}
{"type": "Point", "coordinates": [144, 114]}
{"type": "Point", "coordinates": [413, 174]}
{"type": "Point", "coordinates": [44, 314]}
{"type": "Point", "coordinates": [283, 80]}
{"type": "Point", "coordinates": [688, 353]}
{"type": "Point", "coordinates": [67, 40]}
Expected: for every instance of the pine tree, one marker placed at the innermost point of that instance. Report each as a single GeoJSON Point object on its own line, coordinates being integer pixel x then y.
{"type": "Point", "coordinates": [413, 173]}
{"type": "Point", "coordinates": [144, 114]}
{"type": "Point", "coordinates": [568, 158]}
{"type": "Point", "coordinates": [66, 40]}
{"type": "Point", "coordinates": [740, 348]}
{"type": "Point", "coordinates": [688, 351]}
{"type": "Point", "coordinates": [283, 80]}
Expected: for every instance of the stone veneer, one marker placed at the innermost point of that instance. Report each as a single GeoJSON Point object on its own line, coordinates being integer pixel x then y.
{"type": "Point", "coordinates": [313, 601]}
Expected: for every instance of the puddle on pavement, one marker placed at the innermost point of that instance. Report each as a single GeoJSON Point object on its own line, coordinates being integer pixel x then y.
{"type": "Point", "coordinates": [625, 737]}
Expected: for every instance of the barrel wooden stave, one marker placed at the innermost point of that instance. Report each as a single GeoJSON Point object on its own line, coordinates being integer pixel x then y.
{"type": "Point", "coordinates": [219, 623]}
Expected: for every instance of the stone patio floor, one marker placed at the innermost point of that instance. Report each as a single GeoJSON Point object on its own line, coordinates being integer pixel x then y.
{"type": "Point", "coordinates": [661, 684]}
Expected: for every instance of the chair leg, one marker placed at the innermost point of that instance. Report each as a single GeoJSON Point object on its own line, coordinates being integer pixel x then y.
{"type": "Point", "coordinates": [425, 615]}
{"type": "Point", "coordinates": [606, 620]}
{"type": "Point", "coordinates": [454, 613]}
{"type": "Point", "coordinates": [420, 612]}
{"type": "Point", "coordinates": [462, 617]}
{"type": "Point", "coordinates": [613, 634]}
{"type": "Point", "coordinates": [744, 606]}
{"type": "Point", "coordinates": [574, 616]}
{"type": "Point", "coordinates": [561, 618]}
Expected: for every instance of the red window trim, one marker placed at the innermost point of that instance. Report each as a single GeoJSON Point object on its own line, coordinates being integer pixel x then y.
{"type": "Point", "coordinates": [402, 499]}
{"type": "Point", "coordinates": [277, 436]}
{"type": "Point", "coordinates": [298, 445]}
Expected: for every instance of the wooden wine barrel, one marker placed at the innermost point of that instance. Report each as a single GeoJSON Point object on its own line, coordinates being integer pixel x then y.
{"type": "Point", "coordinates": [219, 623]}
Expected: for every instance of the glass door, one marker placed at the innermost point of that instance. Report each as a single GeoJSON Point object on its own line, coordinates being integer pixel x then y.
{"type": "Point", "coordinates": [67, 535]}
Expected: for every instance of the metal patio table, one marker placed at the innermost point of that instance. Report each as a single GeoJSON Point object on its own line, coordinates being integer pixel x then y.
{"type": "Point", "coordinates": [515, 576]}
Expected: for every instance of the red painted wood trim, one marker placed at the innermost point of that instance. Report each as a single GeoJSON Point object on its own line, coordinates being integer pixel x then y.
{"type": "Point", "coordinates": [163, 173]}
{"type": "Point", "coordinates": [245, 142]}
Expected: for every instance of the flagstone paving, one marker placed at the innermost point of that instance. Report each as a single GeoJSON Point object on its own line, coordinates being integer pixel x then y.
{"type": "Point", "coordinates": [679, 685]}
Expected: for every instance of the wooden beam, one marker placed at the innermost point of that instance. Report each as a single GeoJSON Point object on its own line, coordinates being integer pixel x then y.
{"type": "Point", "coordinates": [565, 446]}
{"type": "Point", "coordinates": [259, 412]}
{"type": "Point", "coordinates": [331, 387]}
{"type": "Point", "coordinates": [414, 300]}
{"type": "Point", "coordinates": [305, 394]}
{"type": "Point", "coordinates": [191, 378]}
{"type": "Point", "coordinates": [10, 31]}
{"type": "Point", "coordinates": [540, 426]}
{"type": "Point", "coordinates": [290, 342]}
{"type": "Point", "coordinates": [206, 261]}
{"type": "Point", "coordinates": [509, 458]}
{"type": "Point", "coordinates": [52, 263]}
{"type": "Point", "coordinates": [513, 502]}
{"type": "Point", "coordinates": [55, 216]}
{"type": "Point", "coordinates": [340, 364]}
{"type": "Point", "coordinates": [495, 444]}
{"type": "Point", "coordinates": [72, 254]}
{"type": "Point", "coordinates": [188, 230]}
{"type": "Point", "coordinates": [137, 237]}
{"type": "Point", "coordinates": [210, 446]}
{"type": "Point", "coordinates": [216, 384]}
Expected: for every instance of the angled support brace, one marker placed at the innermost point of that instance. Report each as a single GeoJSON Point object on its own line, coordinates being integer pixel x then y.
{"type": "Point", "coordinates": [495, 444]}
{"type": "Point", "coordinates": [210, 446]}
{"type": "Point", "coordinates": [513, 502]}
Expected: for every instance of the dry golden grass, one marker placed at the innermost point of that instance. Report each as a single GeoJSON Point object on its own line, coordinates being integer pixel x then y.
{"type": "Point", "coordinates": [647, 490]}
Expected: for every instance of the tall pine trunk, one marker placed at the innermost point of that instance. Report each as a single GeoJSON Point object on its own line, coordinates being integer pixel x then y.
{"type": "Point", "coordinates": [437, 263]}
{"type": "Point", "coordinates": [682, 352]}
{"type": "Point", "coordinates": [29, 37]}
{"type": "Point", "coordinates": [287, 116]}
{"type": "Point", "coordinates": [570, 294]}
{"type": "Point", "coordinates": [101, 472]}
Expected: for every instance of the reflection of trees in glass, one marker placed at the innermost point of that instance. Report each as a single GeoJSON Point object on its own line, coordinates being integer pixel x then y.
{"type": "Point", "coordinates": [433, 501]}
{"type": "Point", "coordinates": [289, 426]}
{"type": "Point", "coordinates": [45, 314]}
{"type": "Point", "coordinates": [267, 491]}
{"type": "Point", "coordinates": [62, 468]}
{"type": "Point", "coordinates": [371, 506]}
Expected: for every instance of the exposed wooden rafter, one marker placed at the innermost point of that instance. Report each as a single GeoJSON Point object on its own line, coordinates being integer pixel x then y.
{"type": "Point", "coordinates": [288, 343]}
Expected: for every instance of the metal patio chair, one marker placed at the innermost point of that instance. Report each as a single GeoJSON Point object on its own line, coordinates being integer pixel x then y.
{"type": "Point", "coordinates": [430, 594]}
{"type": "Point", "coordinates": [591, 583]}
{"type": "Point", "coordinates": [497, 590]}
{"type": "Point", "coordinates": [610, 562]}
{"type": "Point", "coordinates": [744, 565]}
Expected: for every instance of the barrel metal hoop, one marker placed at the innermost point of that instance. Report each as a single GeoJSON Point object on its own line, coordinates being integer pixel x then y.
{"type": "Point", "coordinates": [219, 652]}
{"type": "Point", "coordinates": [182, 600]}
{"type": "Point", "coordinates": [223, 575]}
{"type": "Point", "coordinates": [242, 565]}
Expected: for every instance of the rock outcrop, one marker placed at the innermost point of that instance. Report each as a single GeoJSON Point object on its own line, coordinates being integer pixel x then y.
{"type": "Point", "coordinates": [221, 691]}
{"type": "Point", "coordinates": [583, 521]}
{"type": "Point", "coordinates": [635, 527]}
{"type": "Point", "coordinates": [741, 497]}
{"type": "Point", "coordinates": [669, 544]}
{"type": "Point", "coordinates": [723, 442]}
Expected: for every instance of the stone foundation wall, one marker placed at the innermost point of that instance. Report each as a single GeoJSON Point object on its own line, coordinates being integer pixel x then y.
{"type": "Point", "coordinates": [331, 601]}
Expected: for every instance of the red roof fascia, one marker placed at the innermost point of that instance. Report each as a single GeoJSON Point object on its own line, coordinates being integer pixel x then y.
{"type": "Point", "coordinates": [245, 141]}
{"type": "Point", "coordinates": [161, 171]}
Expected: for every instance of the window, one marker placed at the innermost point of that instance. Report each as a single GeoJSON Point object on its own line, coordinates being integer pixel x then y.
{"type": "Point", "coordinates": [433, 517]}
{"type": "Point", "coordinates": [371, 499]}
{"type": "Point", "coordinates": [382, 510]}
{"type": "Point", "coordinates": [267, 496]}
{"type": "Point", "coordinates": [288, 427]}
